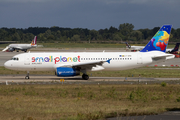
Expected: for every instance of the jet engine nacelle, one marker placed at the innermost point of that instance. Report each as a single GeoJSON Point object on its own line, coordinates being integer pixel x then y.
{"type": "Point", "coordinates": [11, 49]}
{"type": "Point", "coordinates": [66, 72]}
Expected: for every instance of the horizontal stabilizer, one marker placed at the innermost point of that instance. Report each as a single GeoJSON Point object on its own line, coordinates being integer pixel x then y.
{"type": "Point", "coordinates": [162, 56]}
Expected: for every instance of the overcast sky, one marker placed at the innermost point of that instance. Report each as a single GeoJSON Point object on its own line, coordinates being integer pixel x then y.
{"type": "Point", "coordinates": [91, 14]}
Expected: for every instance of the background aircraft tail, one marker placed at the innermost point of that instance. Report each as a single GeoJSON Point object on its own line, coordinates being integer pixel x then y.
{"type": "Point", "coordinates": [127, 45]}
{"type": "Point", "coordinates": [176, 48]}
{"type": "Point", "coordinates": [160, 40]}
{"type": "Point", "coordinates": [33, 43]}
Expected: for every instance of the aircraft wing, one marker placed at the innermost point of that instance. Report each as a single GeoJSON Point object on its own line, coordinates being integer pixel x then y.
{"type": "Point", "coordinates": [94, 66]}
{"type": "Point", "coordinates": [5, 49]}
{"type": "Point", "coordinates": [19, 48]}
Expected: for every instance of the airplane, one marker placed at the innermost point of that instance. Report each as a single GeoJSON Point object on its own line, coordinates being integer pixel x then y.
{"type": "Point", "coordinates": [72, 63]}
{"type": "Point", "coordinates": [138, 48]}
{"type": "Point", "coordinates": [134, 48]}
{"type": "Point", "coordinates": [22, 47]}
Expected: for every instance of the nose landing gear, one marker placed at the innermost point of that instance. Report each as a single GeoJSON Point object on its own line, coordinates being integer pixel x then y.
{"type": "Point", "coordinates": [27, 75]}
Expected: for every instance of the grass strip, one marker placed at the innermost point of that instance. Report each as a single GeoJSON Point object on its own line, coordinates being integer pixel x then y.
{"type": "Point", "coordinates": [79, 102]}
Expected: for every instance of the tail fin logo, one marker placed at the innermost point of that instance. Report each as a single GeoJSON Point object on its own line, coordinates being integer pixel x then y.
{"type": "Point", "coordinates": [34, 41]}
{"type": "Point", "coordinates": [160, 40]}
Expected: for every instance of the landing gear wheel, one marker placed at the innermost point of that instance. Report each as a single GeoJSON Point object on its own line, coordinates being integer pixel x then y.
{"type": "Point", "coordinates": [85, 77]}
{"type": "Point", "coordinates": [27, 75]}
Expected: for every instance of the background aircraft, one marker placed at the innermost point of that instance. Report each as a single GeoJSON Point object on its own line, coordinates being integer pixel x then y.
{"type": "Point", "coordinates": [71, 64]}
{"type": "Point", "coordinates": [22, 47]}
{"type": "Point", "coordinates": [138, 48]}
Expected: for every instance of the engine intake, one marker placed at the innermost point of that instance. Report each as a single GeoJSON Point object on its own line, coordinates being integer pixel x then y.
{"type": "Point", "coordinates": [11, 49]}
{"type": "Point", "coordinates": [66, 72]}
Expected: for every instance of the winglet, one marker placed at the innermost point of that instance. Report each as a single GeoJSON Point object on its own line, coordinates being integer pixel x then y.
{"type": "Point", "coordinates": [108, 61]}
{"type": "Point", "coordinates": [160, 40]}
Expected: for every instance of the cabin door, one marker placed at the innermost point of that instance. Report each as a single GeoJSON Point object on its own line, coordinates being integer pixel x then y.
{"type": "Point", "coordinates": [139, 59]}
{"type": "Point", "coordinates": [27, 59]}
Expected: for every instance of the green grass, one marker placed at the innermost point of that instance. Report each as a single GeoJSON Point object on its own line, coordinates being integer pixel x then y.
{"type": "Point", "coordinates": [80, 102]}
{"type": "Point", "coordinates": [83, 45]}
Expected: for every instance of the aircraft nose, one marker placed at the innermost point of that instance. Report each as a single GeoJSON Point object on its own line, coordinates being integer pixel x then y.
{"type": "Point", "coordinates": [7, 64]}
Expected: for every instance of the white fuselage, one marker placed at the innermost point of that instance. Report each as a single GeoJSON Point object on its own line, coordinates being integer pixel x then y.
{"type": "Point", "coordinates": [21, 46]}
{"type": "Point", "coordinates": [50, 61]}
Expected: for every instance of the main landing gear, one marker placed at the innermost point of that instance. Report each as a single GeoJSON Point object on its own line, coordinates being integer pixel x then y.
{"type": "Point", "coordinates": [85, 76]}
{"type": "Point", "coordinates": [27, 75]}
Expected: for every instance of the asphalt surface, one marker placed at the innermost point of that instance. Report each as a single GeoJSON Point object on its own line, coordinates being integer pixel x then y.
{"type": "Point", "coordinates": [170, 115]}
{"type": "Point", "coordinates": [48, 79]}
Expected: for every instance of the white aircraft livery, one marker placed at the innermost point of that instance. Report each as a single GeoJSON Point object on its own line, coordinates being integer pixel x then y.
{"type": "Point", "coordinates": [22, 47]}
{"type": "Point", "coordinates": [71, 64]}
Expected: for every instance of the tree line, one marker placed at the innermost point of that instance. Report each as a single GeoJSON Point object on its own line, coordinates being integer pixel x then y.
{"type": "Point", "coordinates": [125, 32]}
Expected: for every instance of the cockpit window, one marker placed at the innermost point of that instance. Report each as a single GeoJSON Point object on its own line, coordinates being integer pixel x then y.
{"type": "Point", "coordinates": [14, 58]}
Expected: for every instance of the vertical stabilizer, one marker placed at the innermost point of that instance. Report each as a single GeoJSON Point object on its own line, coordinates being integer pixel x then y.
{"type": "Point", "coordinates": [176, 48]}
{"type": "Point", "coordinates": [33, 43]}
{"type": "Point", "coordinates": [160, 40]}
{"type": "Point", "coordinates": [127, 45]}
